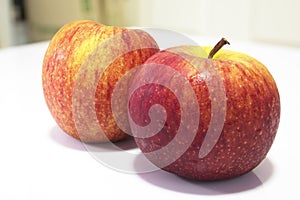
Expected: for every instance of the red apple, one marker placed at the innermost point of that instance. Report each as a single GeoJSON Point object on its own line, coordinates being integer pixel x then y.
{"type": "Point", "coordinates": [81, 67]}
{"type": "Point", "coordinates": [202, 118]}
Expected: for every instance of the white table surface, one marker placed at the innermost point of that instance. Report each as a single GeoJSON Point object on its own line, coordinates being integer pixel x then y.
{"type": "Point", "coordinates": [38, 161]}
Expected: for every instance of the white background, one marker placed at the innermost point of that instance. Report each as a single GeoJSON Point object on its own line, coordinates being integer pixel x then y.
{"type": "Point", "coordinates": [260, 20]}
{"type": "Point", "coordinates": [256, 20]}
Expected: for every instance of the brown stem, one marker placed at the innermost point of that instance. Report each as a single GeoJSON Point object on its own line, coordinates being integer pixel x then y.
{"type": "Point", "coordinates": [217, 47]}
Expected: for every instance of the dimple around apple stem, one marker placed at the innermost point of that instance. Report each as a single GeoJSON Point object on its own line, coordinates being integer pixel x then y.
{"type": "Point", "coordinates": [217, 47]}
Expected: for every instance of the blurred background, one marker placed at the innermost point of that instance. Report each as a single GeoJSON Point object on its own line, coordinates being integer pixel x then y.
{"type": "Point", "coordinates": [271, 21]}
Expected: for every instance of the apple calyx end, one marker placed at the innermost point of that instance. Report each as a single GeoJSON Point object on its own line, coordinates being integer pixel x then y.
{"type": "Point", "coordinates": [217, 47]}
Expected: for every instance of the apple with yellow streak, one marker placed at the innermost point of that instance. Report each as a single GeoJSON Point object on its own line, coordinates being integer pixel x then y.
{"type": "Point", "coordinates": [246, 112]}
{"type": "Point", "coordinates": [68, 50]}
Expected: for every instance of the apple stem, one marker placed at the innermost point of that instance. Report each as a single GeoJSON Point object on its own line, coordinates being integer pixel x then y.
{"type": "Point", "coordinates": [217, 47]}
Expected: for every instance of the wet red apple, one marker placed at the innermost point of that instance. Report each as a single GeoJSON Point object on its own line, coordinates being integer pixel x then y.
{"type": "Point", "coordinates": [204, 113]}
{"type": "Point", "coordinates": [81, 67]}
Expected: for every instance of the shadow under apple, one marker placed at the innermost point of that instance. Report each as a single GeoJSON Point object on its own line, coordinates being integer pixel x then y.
{"type": "Point", "coordinates": [242, 183]}
{"type": "Point", "coordinates": [162, 179]}
{"type": "Point", "coordinates": [58, 136]}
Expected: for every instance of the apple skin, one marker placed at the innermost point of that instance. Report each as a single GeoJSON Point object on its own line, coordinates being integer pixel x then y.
{"type": "Point", "coordinates": [70, 47]}
{"type": "Point", "coordinates": [250, 123]}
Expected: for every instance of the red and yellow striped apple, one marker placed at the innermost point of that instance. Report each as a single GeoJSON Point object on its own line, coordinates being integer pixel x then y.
{"type": "Point", "coordinates": [229, 128]}
{"type": "Point", "coordinates": [86, 44]}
